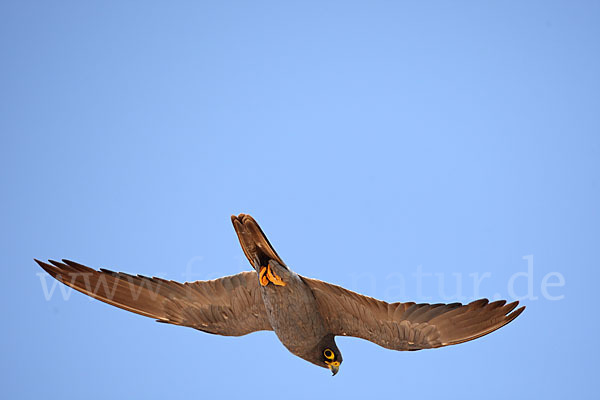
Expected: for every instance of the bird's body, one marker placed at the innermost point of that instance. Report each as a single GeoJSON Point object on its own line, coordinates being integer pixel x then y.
{"type": "Point", "coordinates": [293, 312]}
{"type": "Point", "coordinates": [305, 314]}
{"type": "Point", "coordinates": [291, 307]}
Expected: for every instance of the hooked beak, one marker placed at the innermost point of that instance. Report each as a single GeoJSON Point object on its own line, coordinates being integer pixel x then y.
{"type": "Point", "coordinates": [334, 369]}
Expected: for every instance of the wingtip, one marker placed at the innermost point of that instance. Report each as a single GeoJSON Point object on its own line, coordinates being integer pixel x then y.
{"type": "Point", "coordinates": [57, 264]}
{"type": "Point", "coordinates": [71, 263]}
{"type": "Point", "coordinates": [512, 313]}
{"type": "Point", "coordinates": [518, 311]}
{"type": "Point", "coordinates": [50, 269]}
{"type": "Point", "coordinates": [42, 264]}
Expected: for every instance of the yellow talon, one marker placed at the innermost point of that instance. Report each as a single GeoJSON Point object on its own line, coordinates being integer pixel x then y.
{"type": "Point", "coordinates": [264, 281]}
{"type": "Point", "coordinates": [266, 275]}
{"type": "Point", "coordinates": [274, 278]}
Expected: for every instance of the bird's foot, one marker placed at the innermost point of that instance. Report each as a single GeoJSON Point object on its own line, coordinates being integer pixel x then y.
{"type": "Point", "coordinates": [266, 275]}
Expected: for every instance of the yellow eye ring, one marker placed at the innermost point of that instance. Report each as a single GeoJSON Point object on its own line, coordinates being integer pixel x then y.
{"type": "Point", "coordinates": [329, 354]}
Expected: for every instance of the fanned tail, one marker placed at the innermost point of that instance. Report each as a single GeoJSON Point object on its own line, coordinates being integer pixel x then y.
{"type": "Point", "coordinates": [254, 242]}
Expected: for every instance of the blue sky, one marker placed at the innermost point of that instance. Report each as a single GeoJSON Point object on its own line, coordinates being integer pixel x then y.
{"type": "Point", "coordinates": [373, 141]}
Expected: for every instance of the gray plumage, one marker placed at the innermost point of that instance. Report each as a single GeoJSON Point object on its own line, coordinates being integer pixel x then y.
{"type": "Point", "coordinates": [305, 314]}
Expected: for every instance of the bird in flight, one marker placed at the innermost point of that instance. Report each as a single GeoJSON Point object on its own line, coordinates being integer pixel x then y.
{"type": "Point", "coordinates": [306, 314]}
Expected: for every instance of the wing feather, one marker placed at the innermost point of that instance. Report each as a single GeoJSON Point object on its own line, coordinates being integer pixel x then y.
{"type": "Point", "coordinates": [408, 326]}
{"type": "Point", "coordinates": [229, 306]}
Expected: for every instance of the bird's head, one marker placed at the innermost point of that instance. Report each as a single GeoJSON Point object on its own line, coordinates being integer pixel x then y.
{"type": "Point", "coordinates": [326, 354]}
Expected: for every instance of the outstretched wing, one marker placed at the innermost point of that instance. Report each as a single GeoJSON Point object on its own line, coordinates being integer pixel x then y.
{"type": "Point", "coordinates": [408, 326]}
{"type": "Point", "coordinates": [229, 306]}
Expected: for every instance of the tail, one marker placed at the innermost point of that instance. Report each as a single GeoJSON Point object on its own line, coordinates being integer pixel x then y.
{"type": "Point", "coordinates": [254, 242]}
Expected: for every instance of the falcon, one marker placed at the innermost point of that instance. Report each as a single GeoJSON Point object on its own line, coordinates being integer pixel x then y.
{"type": "Point", "coordinates": [306, 314]}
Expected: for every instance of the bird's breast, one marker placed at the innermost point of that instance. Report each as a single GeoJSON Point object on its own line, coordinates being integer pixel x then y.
{"type": "Point", "coordinates": [293, 313]}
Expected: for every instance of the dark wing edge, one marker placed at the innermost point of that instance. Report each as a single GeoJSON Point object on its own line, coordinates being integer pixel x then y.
{"type": "Point", "coordinates": [408, 326]}
{"type": "Point", "coordinates": [229, 306]}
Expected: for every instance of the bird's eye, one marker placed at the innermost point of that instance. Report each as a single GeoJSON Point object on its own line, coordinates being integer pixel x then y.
{"type": "Point", "coordinates": [328, 354]}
